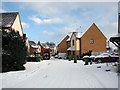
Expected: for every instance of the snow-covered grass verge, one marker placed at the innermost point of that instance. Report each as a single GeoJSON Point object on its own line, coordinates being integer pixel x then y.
{"type": "Point", "coordinates": [57, 73]}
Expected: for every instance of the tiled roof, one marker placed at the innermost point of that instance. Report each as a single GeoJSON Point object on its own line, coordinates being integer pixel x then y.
{"type": "Point", "coordinates": [7, 19]}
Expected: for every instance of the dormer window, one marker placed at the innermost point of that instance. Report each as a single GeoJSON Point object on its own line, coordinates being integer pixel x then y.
{"type": "Point", "coordinates": [91, 41]}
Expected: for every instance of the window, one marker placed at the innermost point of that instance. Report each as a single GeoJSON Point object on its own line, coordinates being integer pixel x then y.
{"type": "Point", "coordinates": [91, 41]}
{"type": "Point", "coordinates": [68, 44]}
{"type": "Point", "coordinates": [73, 42]}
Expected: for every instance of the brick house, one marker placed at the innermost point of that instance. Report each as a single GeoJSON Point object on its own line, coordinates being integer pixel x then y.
{"type": "Point", "coordinates": [62, 46]}
{"type": "Point", "coordinates": [34, 48]}
{"type": "Point", "coordinates": [91, 39]}
{"type": "Point", "coordinates": [53, 50]}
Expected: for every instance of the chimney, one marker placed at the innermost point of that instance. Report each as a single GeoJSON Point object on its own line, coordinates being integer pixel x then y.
{"type": "Point", "coordinates": [38, 42]}
{"type": "Point", "coordinates": [24, 36]}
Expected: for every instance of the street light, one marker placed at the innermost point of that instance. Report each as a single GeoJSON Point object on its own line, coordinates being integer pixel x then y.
{"type": "Point", "coordinates": [75, 59]}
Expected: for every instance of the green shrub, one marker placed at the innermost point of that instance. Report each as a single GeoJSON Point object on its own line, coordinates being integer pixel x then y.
{"type": "Point", "coordinates": [34, 59]}
{"type": "Point", "coordinates": [86, 61]}
{"type": "Point", "coordinates": [37, 59]}
{"type": "Point", "coordinates": [90, 60]}
{"type": "Point", "coordinates": [69, 58]}
{"type": "Point", "coordinates": [75, 59]}
{"type": "Point", "coordinates": [41, 58]}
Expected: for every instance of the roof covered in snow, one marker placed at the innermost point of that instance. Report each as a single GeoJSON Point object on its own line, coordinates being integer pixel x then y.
{"type": "Point", "coordinates": [116, 36]}
{"type": "Point", "coordinates": [7, 19]}
{"type": "Point", "coordinates": [69, 49]}
{"type": "Point", "coordinates": [51, 46]}
{"type": "Point", "coordinates": [81, 31]}
{"type": "Point", "coordinates": [44, 45]}
{"type": "Point", "coordinates": [35, 46]}
{"type": "Point", "coordinates": [32, 43]}
{"type": "Point", "coordinates": [69, 34]}
{"type": "Point", "coordinates": [68, 39]}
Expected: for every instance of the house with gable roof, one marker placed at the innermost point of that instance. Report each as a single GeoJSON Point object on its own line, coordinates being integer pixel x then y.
{"type": "Point", "coordinates": [35, 48]}
{"type": "Point", "coordinates": [11, 21]}
{"type": "Point", "coordinates": [45, 51]}
{"type": "Point", "coordinates": [62, 46]}
{"type": "Point", "coordinates": [53, 49]}
{"type": "Point", "coordinates": [91, 39]}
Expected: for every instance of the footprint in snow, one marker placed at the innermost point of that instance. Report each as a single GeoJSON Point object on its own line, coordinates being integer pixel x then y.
{"type": "Point", "coordinates": [48, 63]}
{"type": "Point", "coordinates": [45, 76]}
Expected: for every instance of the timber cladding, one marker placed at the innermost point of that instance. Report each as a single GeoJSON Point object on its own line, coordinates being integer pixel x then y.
{"type": "Point", "coordinates": [62, 47]}
{"type": "Point", "coordinates": [93, 40]}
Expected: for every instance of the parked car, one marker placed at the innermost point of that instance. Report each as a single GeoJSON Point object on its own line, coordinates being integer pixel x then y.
{"type": "Point", "coordinates": [62, 56]}
{"type": "Point", "coordinates": [106, 57]}
{"type": "Point", "coordinates": [86, 56]}
{"type": "Point", "coordinates": [89, 58]}
{"type": "Point", "coordinates": [56, 56]}
{"type": "Point", "coordinates": [92, 56]}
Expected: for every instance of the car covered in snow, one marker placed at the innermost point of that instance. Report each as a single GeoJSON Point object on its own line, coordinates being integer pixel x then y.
{"type": "Point", "coordinates": [86, 56]}
{"type": "Point", "coordinates": [56, 56]}
{"type": "Point", "coordinates": [92, 56]}
{"type": "Point", "coordinates": [106, 57]}
{"type": "Point", "coordinates": [62, 56]}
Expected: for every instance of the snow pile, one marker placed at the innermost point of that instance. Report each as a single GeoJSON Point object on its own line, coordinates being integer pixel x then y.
{"type": "Point", "coordinates": [57, 73]}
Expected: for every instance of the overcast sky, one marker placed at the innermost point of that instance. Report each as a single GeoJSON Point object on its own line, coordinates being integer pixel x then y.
{"type": "Point", "coordinates": [50, 21]}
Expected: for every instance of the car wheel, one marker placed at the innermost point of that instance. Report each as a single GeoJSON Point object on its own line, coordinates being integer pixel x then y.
{"type": "Point", "coordinates": [99, 61]}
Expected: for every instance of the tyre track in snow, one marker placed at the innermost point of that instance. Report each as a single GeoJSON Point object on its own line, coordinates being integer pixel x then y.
{"type": "Point", "coordinates": [61, 74]}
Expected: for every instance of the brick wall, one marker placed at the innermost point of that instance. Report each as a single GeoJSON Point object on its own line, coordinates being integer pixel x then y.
{"type": "Point", "coordinates": [99, 40]}
{"type": "Point", "coordinates": [62, 47]}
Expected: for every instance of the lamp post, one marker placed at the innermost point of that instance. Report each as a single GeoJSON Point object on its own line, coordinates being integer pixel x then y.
{"type": "Point", "coordinates": [75, 58]}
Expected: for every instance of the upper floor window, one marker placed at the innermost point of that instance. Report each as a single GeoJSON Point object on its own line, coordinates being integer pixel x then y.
{"type": "Point", "coordinates": [91, 41]}
{"type": "Point", "coordinates": [73, 42]}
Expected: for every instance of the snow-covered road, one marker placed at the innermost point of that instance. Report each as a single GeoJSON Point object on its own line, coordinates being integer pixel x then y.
{"type": "Point", "coordinates": [57, 73]}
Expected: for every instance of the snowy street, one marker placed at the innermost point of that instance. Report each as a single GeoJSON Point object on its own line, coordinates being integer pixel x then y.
{"type": "Point", "coordinates": [58, 73]}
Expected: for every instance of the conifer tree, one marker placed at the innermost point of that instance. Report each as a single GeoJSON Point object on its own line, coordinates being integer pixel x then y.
{"type": "Point", "coordinates": [14, 51]}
